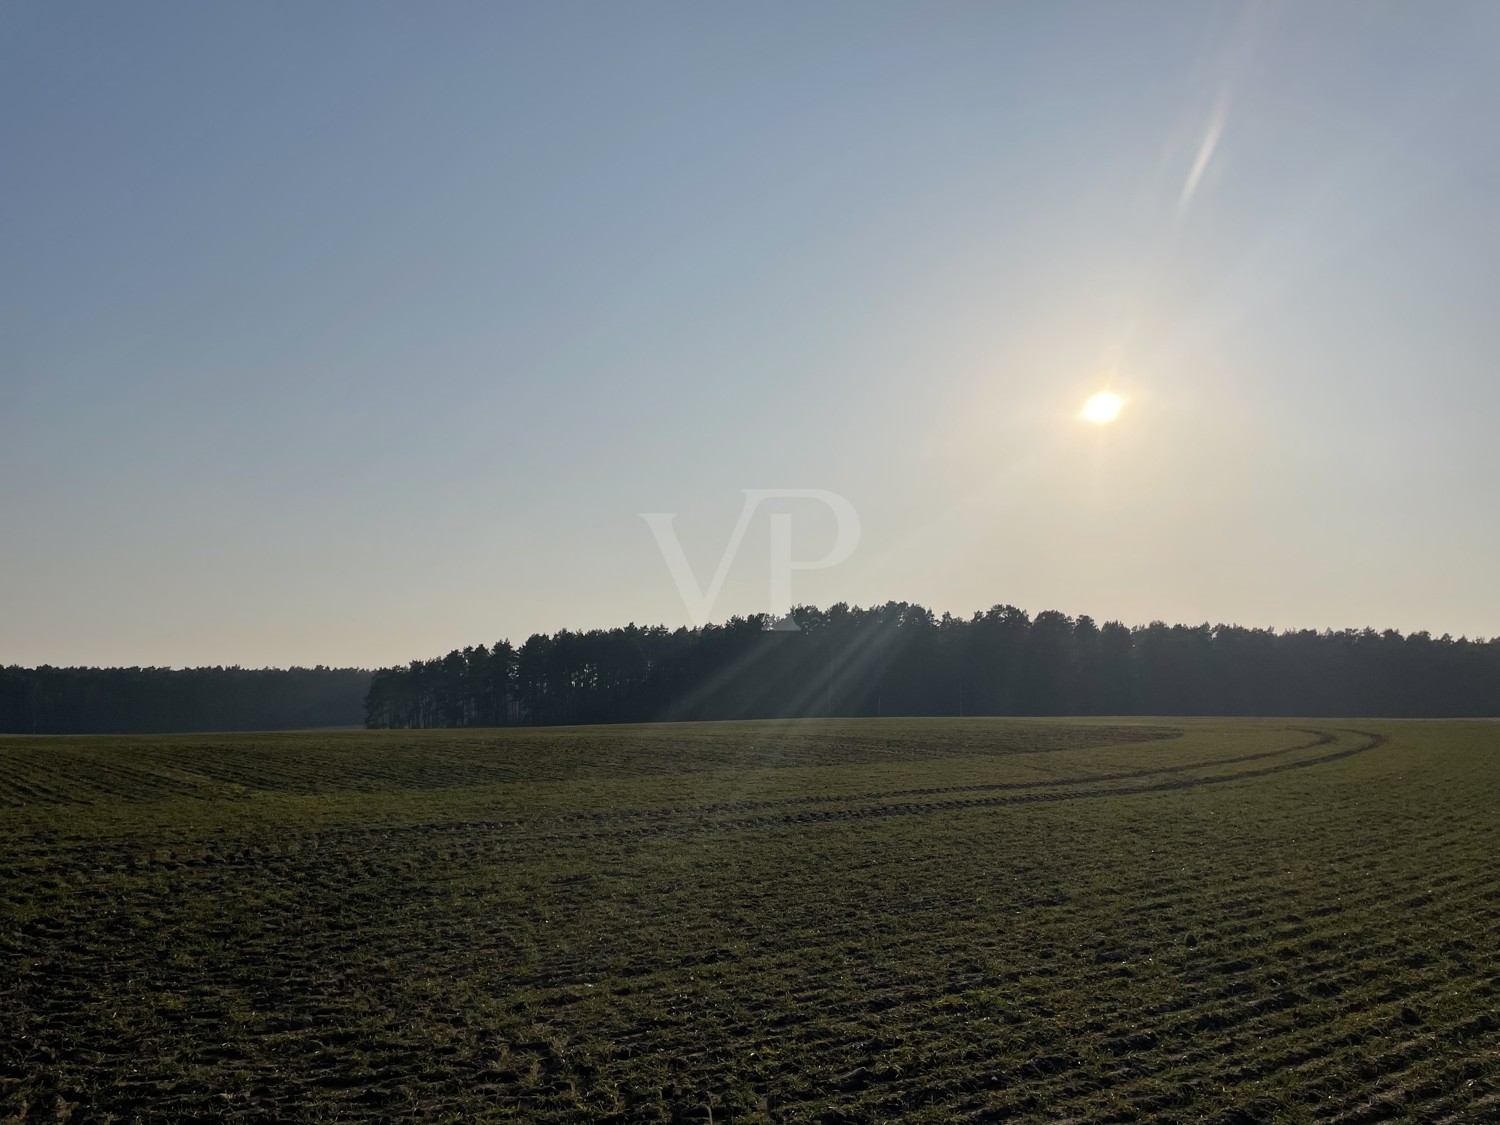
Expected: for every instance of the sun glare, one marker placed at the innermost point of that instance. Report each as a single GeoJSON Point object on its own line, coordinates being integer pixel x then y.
{"type": "Point", "coordinates": [1103, 407]}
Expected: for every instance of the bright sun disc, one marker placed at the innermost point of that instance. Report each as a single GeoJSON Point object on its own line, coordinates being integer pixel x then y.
{"type": "Point", "coordinates": [1103, 407]}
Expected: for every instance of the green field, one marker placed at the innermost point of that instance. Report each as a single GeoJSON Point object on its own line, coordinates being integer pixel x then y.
{"type": "Point", "coordinates": [824, 921]}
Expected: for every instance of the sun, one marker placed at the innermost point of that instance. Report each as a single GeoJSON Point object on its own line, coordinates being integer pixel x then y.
{"type": "Point", "coordinates": [1103, 407]}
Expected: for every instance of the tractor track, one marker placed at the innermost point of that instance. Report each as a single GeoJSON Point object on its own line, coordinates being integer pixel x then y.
{"type": "Point", "coordinates": [720, 817]}
{"type": "Point", "coordinates": [1064, 790]}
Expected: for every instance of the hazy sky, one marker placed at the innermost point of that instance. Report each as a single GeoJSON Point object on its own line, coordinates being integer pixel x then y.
{"type": "Point", "coordinates": [352, 333]}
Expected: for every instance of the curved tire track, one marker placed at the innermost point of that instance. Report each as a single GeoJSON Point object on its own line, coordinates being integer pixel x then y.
{"type": "Point", "coordinates": [1068, 790]}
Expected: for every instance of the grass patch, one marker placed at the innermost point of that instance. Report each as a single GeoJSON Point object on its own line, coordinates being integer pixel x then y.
{"type": "Point", "coordinates": [822, 921]}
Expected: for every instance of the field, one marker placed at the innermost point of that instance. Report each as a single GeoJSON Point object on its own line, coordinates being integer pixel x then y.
{"type": "Point", "coordinates": [827, 921]}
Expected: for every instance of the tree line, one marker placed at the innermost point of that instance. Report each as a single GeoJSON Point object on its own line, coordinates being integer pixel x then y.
{"type": "Point", "coordinates": [49, 700]}
{"type": "Point", "coordinates": [901, 659]}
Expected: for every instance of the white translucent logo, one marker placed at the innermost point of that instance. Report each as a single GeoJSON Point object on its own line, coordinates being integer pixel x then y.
{"type": "Point", "coordinates": [699, 602]}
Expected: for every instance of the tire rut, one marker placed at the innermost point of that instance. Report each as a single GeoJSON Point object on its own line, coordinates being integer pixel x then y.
{"type": "Point", "coordinates": [1067, 793]}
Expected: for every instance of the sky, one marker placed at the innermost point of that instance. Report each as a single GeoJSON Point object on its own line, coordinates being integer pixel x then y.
{"type": "Point", "coordinates": [352, 333]}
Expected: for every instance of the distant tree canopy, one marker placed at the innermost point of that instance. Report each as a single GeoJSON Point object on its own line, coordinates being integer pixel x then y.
{"type": "Point", "coordinates": [900, 659]}
{"type": "Point", "coordinates": [50, 700]}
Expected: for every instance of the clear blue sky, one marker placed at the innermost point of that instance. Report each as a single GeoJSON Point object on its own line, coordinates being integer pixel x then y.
{"type": "Point", "coordinates": [351, 333]}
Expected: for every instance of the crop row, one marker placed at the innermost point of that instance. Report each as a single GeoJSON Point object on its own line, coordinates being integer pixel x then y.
{"type": "Point", "coordinates": [1254, 924]}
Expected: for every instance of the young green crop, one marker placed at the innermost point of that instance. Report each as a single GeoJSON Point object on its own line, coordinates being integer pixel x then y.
{"type": "Point", "coordinates": [863, 920]}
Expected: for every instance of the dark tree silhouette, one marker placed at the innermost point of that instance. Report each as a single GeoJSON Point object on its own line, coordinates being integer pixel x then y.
{"type": "Point", "coordinates": [49, 700]}
{"type": "Point", "coordinates": [893, 659]}
{"type": "Point", "coordinates": [899, 659]}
